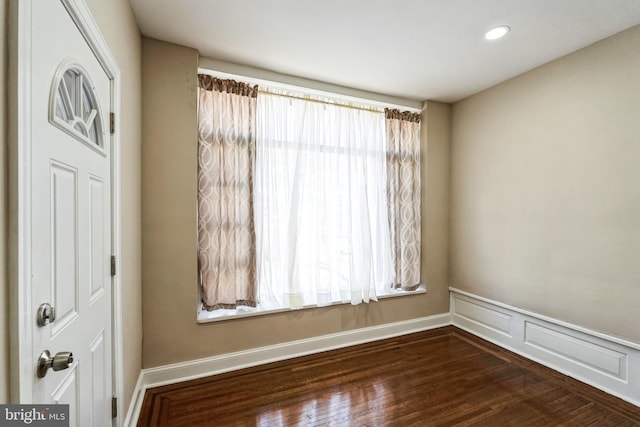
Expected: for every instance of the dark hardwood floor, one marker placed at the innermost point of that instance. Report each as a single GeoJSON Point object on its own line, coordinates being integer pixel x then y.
{"type": "Point", "coordinates": [443, 377]}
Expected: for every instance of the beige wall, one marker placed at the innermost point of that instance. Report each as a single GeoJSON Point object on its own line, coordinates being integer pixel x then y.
{"type": "Point", "coordinates": [4, 283]}
{"type": "Point", "coordinates": [435, 169]}
{"type": "Point", "coordinates": [546, 189]}
{"type": "Point", "coordinates": [170, 293]}
{"type": "Point", "coordinates": [119, 29]}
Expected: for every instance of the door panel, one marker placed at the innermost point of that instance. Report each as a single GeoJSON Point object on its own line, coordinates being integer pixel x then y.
{"type": "Point", "coordinates": [97, 237]}
{"type": "Point", "coordinates": [64, 231]}
{"type": "Point", "coordinates": [99, 360]}
{"type": "Point", "coordinates": [67, 393]}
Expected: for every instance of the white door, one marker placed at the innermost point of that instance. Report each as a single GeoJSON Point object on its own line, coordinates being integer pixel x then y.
{"type": "Point", "coordinates": [71, 215]}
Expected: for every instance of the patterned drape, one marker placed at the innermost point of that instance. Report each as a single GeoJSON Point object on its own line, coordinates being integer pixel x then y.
{"type": "Point", "coordinates": [226, 158]}
{"type": "Point", "coordinates": [403, 186]}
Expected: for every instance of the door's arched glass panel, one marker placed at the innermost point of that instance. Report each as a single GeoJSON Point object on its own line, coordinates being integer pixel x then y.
{"type": "Point", "coordinates": [78, 126]}
{"type": "Point", "coordinates": [74, 106]}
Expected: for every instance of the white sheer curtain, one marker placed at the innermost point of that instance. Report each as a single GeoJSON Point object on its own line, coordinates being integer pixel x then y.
{"type": "Point", "coordinates": [322, 230]}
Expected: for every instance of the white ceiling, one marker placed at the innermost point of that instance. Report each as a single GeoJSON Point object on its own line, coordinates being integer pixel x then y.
{"type": "Point", "coordinates": [415, 49]}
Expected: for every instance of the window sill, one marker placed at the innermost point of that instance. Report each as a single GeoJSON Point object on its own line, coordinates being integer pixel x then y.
{"type": "Point", "coordinates": [241, 312]}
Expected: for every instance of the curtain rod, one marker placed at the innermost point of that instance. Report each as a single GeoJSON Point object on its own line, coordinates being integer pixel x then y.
{"type": "Point", "coordinates": [272, 80]}
{"type": "Point", "coordinates": [321, 101]}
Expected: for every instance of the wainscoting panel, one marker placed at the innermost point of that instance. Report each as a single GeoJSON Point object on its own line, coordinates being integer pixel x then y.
{"type": "Point", "coordinates": [576, 350]}
{"type": "Point", "coordinates": [484, 316]}
{"type": "Point", "coordinates": [607, 363]}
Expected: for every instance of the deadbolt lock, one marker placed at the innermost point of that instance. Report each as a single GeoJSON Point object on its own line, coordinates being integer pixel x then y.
{"type": "Point", "coordinates": [46, 314]}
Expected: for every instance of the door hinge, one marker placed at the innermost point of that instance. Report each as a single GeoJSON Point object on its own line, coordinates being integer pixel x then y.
{"type": "Point", "coordinates": [113, 265]}
{"type": "Point", "coordinates": [114, 407]}
{"type": "Point", "coordinates": [112, 123]}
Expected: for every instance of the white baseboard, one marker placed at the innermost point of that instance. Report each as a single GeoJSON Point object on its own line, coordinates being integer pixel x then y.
{"type": "Point", "coordinates": [184, 371]}
{"type": "Point", "coordinates": [607, 363]}
{"type": "Point", "coordinates": [131, 419]}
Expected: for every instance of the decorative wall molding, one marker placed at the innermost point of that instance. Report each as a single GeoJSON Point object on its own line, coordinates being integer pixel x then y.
{"type": "Point", "coordinates": [184, 371]}
{"type": "Point", "coordinates": [607, 363]}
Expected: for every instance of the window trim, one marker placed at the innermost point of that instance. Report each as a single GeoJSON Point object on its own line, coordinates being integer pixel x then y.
{"type": "Point", "coordinates": [204, 316]}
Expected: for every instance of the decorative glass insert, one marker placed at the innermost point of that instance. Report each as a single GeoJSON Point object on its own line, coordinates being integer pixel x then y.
{"type": "Point", "coordinates": [75, 107]}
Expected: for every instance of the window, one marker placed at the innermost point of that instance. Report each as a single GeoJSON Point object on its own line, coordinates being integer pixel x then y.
{"type": "Point", "coordinates": [303, 197]}
{"type": "Point", "coordinates": [74, 107]}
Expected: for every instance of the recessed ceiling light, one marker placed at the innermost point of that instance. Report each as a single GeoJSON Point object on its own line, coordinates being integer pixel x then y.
{"type": "Point", "coordinates": [496, 32]}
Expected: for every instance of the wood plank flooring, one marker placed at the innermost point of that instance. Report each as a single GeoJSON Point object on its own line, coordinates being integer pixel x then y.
{"type": "Point", "coordinates": [443, 377]}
